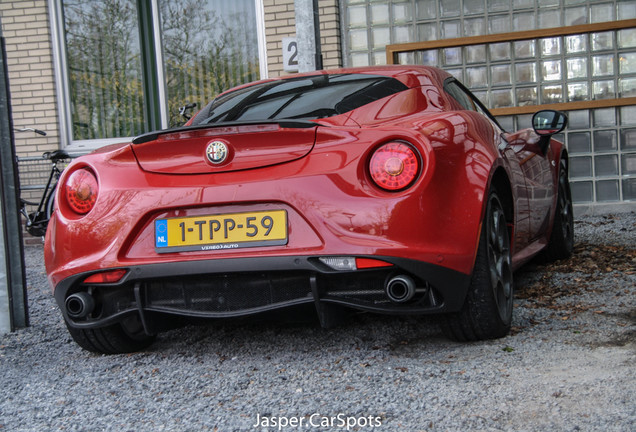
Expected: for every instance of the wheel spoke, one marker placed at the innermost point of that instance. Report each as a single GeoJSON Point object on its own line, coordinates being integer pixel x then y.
{"type": "Point", "coordinates": [499, 261]}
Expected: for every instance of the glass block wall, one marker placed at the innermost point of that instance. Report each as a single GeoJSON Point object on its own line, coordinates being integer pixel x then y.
{"type": "Point", "coordinates": [581, 67]}
{"type": "Point", "coordinates": [602, 147]}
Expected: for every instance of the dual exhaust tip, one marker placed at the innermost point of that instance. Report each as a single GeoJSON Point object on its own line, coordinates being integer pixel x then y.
{"type": "Point", "coordinates": [400, 289]}
{"type": "Point", "coordinates": [79, 305]}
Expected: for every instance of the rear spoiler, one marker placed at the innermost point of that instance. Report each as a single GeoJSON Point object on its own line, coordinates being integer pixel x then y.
{"type": "Point", "coordinates": [291, 124]}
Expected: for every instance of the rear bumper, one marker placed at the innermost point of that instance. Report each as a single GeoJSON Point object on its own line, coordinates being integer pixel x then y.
{"type": "Point", "coordinates": [247, 286]}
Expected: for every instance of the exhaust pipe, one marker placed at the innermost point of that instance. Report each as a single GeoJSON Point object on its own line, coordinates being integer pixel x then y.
{"type": "Point", "coordinates": [400, 289]}
{"type": "Point", "coordinates": [79, 305]}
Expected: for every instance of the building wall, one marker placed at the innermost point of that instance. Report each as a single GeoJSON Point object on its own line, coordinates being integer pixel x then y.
{"type": "Point", "coordinates": [330, 34]}
{"type": "Point", "coordinates": [280, 23]}
{"type": "Point", "coordinates": [27, 33]}
{"type": "Point", "coordinates": [574, 70]}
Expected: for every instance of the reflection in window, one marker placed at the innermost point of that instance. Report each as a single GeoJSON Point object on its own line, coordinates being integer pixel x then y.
{"type": "Point", "coordinates": [104, 68]}
{"type": "Point", "coordinates": [604, 89]}
{"type": "Point", "coordinates": [577, 92]}
{"type": "Point", "coordinates": [208, 47]}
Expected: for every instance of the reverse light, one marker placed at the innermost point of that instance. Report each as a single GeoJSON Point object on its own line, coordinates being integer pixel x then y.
{"type": "Point", "coordinates": [81, 191]}
{"type": "Point", "coordinates": [352, 263]}
{"type": "Point", "coordinates": [394, 166]}
{"type": "Point", "coordinates": [110, 276]}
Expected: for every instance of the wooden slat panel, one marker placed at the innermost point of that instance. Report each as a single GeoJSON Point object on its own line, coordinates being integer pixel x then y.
{"type": "Point", "coordinates": [393, 50]}
{"type": "Point", "coordinates": [565, 106]}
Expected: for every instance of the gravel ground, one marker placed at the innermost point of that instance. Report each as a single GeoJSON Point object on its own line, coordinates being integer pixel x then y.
{"type": "Point", "coordinates": [568, 365]}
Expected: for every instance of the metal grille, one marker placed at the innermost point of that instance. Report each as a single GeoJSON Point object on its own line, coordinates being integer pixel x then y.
{"type": "Point", "coordinates": [227, 293]}
{"type": "Point", "coordinates": [34, 172]}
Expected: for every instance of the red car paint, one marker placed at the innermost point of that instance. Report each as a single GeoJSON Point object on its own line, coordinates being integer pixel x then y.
{"type": "Point", "coordinates": [320, 176]}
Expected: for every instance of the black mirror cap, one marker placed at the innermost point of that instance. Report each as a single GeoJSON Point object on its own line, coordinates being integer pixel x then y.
{"type": "Point", "coordinates": [549, 122]}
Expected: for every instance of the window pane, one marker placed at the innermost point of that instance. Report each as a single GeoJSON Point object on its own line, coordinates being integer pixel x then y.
{"type": "Point", "coordinates": [379, 14]}
{"type": "Point", "coordinates": [579, 142]}
{"type": "Point", "coordinates": [606, 165]}
{"type": "Point", "coordinates": [476, 77]}
{"type": "Point", "coordinates": [605, 140]}
{"type": "Point", "coordinates": [208, 46]}
{"type": "Point", "coordinates": [501, 98]}
{"type": "Point", "coordinates": [607, 190]}
{"type": "Point", "coordinates": [475, 53]}
{"type": "Point", "coordinates": [527, 96]}
{"type": "Point", "coordinates": [500, 75]}
{"type": "Point", "coordinates": [576, 44]}
{"type": "Point", "coordinates": [579, 119]}
{"type": "Point", "coordinates": [605, 117]}
{"type": "Point", "coordinates": [629, 164]}
{"type": "Point", "coordinates": [580, 167]}
{"type": "Point", "coordinates": [577, 68]}
{"type": "Point", "coordinates": [525, 72]}
{"type": "Point", "coordinates": [426, 9]}
{"type": "Point", "coordinates": [524, 49]}
{"type": "Point", "coordinates": [628, 139]}
{"type": "Point", "coordinates": [577, 92]}
{"type": "Point", "coordinates": [500, 51]}
{"type": "Point", "coordinates": [629, 189]}
{"type": "Point", "coordinates": [581, 192]}
{"type": "Point", "coordinates": [357, 16]}
{"type": "Point", "coordinates": [104, 67]}
{"type": "Point", "coordinates": [604, 89]}
{"type": "Point", "coordinates": [551, 70]}
{"type": "Point", "coordinates": [551, 94]}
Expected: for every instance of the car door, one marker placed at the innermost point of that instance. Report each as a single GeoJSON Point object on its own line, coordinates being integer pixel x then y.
{"type": "Point", "coordinates": [538, 179]}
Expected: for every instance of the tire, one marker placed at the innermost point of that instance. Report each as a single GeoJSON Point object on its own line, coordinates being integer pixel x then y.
{"type": "Point", "coordinates": [487, 310]}
{"type": "Point", "coordinates": [119, 338]}
{"type": "Point", "coordinates": [561, 241]}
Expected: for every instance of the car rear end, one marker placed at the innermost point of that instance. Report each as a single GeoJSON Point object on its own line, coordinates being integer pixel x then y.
{"type": "Point", "coordinates": [241, 217]}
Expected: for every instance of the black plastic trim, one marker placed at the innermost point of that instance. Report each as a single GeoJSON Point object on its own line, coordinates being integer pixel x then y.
{"type": "Point", "coordinates": [452, 285]}
{"type": "Point", "coordinates": [290, 124]}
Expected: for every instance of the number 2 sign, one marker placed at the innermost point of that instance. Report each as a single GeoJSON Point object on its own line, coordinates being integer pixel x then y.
{"type": "Point", "coordinates": [290, 55]}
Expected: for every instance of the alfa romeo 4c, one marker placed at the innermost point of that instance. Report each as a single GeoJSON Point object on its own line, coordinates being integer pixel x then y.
{"type": "Point", "coordinates": [388, 190]}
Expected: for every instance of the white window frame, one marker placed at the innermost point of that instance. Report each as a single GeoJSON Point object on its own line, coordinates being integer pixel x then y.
{"type": "Point", "coordinates": [61, 75]}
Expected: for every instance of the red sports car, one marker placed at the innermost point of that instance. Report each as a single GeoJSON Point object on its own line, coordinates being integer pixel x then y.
{"type": "Point", "coordinates": [388, 189]}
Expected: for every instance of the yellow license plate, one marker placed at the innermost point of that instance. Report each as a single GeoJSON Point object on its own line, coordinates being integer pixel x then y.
{"type": "Point", "coordinates": [222, 231]}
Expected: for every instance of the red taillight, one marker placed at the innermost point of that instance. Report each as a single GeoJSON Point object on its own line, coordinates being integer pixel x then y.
{"type": "Point", "coordinates": [394, 166]}
{"type": "Point", "coordinates": [110, 276]}
{"type": "Point", "coordinates": [81, 191]}
{"type": "Point", "coordinates": [368, 263]}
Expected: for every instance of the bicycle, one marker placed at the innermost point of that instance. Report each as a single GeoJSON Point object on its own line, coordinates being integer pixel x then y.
{"type": "Point", "coordinates": [37, 221]}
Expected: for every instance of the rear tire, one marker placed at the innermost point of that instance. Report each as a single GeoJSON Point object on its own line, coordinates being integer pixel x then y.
{"type": "Point", "coordinates": [125, 337]}
{"type": "Point", "coordinates": [561, 243]}
{"type": "Point", "coordinates": [487, 310]}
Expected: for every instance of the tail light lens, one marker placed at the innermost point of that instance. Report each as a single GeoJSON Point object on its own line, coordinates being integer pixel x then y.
{"type": "Point", "coordinates": [394, 166]}
{"type": "Point", "coordinates": [111, 276]}
{"type": "Point", "coordinates": [81, 191]}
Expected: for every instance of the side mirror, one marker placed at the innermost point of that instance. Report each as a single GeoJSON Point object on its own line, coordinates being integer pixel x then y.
{"type": "Point", "coordinates": [549, 122]}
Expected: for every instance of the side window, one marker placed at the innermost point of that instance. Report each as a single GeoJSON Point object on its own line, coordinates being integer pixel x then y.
{"type": "Point", "coordinates": [459, 95]}
{"type": "Point", "coordinates": [467, 100]}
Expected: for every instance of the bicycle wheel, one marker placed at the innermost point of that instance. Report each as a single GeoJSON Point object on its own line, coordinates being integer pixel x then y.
{"type": "Point", "coordinates": [50, 203]}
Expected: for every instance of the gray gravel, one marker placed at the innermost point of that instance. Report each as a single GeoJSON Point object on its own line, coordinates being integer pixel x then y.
{"type": "Point", "coordinates": [569, 365]}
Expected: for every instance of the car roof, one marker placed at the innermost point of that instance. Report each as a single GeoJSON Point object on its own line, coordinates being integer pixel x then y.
{"type": "Point", "coordinates": [410, 75]}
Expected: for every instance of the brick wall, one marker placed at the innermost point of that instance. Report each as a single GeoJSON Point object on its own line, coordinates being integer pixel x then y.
{"type": "Point", "coordinates": [280, 22]}
{"type": "Point", "coordinates": [27, 33]}
{"type": "Point", "coordinates": [330, 34]}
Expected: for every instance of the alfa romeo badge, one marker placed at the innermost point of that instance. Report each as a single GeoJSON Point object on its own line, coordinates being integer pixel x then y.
{"type": "Point", "coordinates": [216, 152]}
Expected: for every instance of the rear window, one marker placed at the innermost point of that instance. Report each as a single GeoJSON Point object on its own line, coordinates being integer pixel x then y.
{"type": "Point", "coordinates": [304, 98]}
